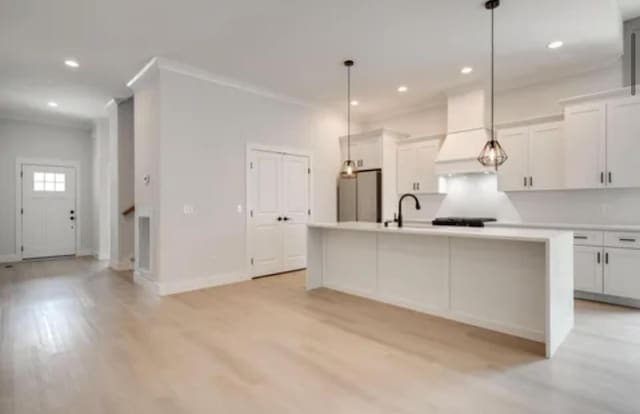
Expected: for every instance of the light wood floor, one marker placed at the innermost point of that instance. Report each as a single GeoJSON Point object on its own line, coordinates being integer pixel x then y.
{"type": "Point", "coordinates": [78, 338]}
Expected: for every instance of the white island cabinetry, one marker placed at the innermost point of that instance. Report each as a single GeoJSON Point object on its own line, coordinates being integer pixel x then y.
{"type": "Point", "coordinates": [514, 281]}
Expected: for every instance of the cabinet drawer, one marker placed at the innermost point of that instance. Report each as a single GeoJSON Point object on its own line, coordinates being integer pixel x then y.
{"type": "Point", "coordinates": [587, 238]}
{"type": "Point", "coordinates": [622, 239]}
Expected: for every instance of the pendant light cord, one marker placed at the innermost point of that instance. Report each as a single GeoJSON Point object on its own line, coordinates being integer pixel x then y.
{"type": "Point", "coordinates": [492, 79]}
{"type": "Point", "coordinates": [349, 113]}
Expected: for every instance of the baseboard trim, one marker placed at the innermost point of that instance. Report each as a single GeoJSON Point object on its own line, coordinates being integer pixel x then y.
{"type": "Point", "coordinates": [85, 252]}
{"type": "Point", "coordinates": [9, 258]}
{"type": "Point", "coordinates": [121, 266]}
{"type": "Point", "coordinates": [147, 284]}
{"type": "Point", "coordinates": [181, 286]}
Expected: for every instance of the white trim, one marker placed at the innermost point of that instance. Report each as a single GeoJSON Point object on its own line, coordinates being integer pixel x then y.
{"type": "Point", "coordinates": [20, 161]}
{"type": "Point", "coordinates": [121, 266]}
{"type": "Point", "coordinates": [179, 286]}
{"type": "Point", "coordinates": [85, 252]}
{"type": "Point", "coordinates": [201, 74]}
{"type": "Point", "coordinates": [598, 96]}
{"type": "Point", "coordinates": [248, 159]}
{"type": "Point", "coordinates": [142, 72]}
{"type": "Point", "coordinates": [9, 258]}
{"type": "Point", "coordinates": [140, 278]}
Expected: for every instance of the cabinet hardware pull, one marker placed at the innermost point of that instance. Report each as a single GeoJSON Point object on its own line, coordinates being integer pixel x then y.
{"type": "Point", "coordinates": [610, 178]}
{"type": "Point", "coordinates": [601, 177]}
{"type": "Point", "coordinates": [580, 237]}
{"type": "Point", "coordinates": [606, 258]}
{"type": "Point", "coordinates": [418, 186]}
{"type": "Point", "coordinates": [525, 181]}
{"type": "Point", "coordinates": [530, 181]}
{"type": "Point", "coordinates": [627, 240]}
{"type": "Point", "coordinates": [598, 257]}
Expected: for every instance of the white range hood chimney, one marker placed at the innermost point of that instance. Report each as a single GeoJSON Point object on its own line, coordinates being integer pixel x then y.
{"type": "Point", "coordinates": [466, 133]}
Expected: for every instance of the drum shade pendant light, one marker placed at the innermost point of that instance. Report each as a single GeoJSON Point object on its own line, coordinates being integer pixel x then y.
{"type": "Point", "coordinates": [349, 167]}
{"type": "Point", "coordinates": [492, 155]}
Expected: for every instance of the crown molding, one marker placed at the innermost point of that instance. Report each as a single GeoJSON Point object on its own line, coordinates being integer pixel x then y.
{"type": "Point", "coordinates": [207, 76]}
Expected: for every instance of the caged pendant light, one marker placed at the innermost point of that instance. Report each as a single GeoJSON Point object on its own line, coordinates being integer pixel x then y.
{"type": "Point", "coordinates": [492, 155]}
{"type": "Point", "coordinates": [349, 167]}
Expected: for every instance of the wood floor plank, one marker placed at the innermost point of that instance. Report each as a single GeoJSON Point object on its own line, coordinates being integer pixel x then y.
{"type": "Point", "coordinates": [78, 337]}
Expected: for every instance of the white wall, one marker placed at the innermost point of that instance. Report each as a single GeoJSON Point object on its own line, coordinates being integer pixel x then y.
{"type": "Point", "coordinates": [478, 195]}
{"type": "Point", "coordinates": [33, 140]}
{"type": "Point", "coordinates": [101, 189]}
{"type": "Point", "coordinates": [121, 182]}
{"type": "Point", "coordinates": [203, 129]}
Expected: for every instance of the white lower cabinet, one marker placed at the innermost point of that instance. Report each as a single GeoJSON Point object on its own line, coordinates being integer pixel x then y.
{"type": "Point", "coordinates": [607, 263]}
{"type": "Point", "coordinates": [622, 273]}
{"type": "Point", "coordinates": [588, 269]}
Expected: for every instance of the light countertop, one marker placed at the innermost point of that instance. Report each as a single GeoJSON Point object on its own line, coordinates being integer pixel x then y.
{"type": "Point", "coordinates": [498, 233]}
{"type": "Point", "coordinates": [566, 226]}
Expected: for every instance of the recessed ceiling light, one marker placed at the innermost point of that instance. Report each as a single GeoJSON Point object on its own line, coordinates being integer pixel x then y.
{"type": "Point", "coordinates": [466, 70]}
{"type": "Point", "coordinates": [402, 89]}
{"type": "Point", "coordinates": [72, 63]}
{"type": "Point", "coordinates": [355, 103]}
{"type": "Point", "coordinates": [555, 44]}
{"type": "Point", "coordinates": [52, 104]}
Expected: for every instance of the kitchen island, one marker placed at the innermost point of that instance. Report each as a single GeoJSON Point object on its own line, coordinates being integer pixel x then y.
{"type": "Point", "coordinates": [514, 281]}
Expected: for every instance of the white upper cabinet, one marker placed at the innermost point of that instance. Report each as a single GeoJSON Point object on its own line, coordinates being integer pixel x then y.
{"type": "Point", "coordinates": [585, 149]}
{"type": "Point", "coordinates": [546, 156]}
{"type": "Point", "coordinates": [366, 152]}
{"type": "Point", "coordinates": [513, 175]}
{"type": "Point", "coordinates": [416, 167]}
{"type": "Point", "coordinates": [623, 143]}
{"type": "Point", "coordinates": [535, 158]}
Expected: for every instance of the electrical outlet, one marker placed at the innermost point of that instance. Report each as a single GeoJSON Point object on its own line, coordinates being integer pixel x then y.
{"type": "Point", "coordinates": [188, 209]}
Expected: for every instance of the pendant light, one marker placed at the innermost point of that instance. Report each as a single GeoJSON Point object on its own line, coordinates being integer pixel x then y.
{"type": "Point", "coordinates": [349, 167]}
{"type": "Point", "coordinates": [492, 155]}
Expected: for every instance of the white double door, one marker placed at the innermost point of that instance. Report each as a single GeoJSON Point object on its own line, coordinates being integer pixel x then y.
{"type": "Point", "coordinates": [48, 212]}
{"type": "Point", "coordinates": [278, 212]}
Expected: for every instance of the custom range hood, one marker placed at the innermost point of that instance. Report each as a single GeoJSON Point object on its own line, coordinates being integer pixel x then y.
{"type": "Point", "coordinates": [467, 133]}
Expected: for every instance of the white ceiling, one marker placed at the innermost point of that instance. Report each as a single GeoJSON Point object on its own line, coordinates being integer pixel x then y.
{"type": "Point", "coordinates": [294, 47]}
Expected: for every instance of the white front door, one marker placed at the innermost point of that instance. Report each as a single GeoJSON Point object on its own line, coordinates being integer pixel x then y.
{"type": "Point", "coordinates": [279, 210]}
{"type": "Point", "coordinates": [48, 211]}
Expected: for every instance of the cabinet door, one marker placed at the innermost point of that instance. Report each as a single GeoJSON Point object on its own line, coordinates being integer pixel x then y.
{"type": "Point", "coordinates": [546, 156]}
{"type": "Point", "coordinates": [622, 273]}
{"type": "Point", "coordinates": [512, 174]}
{"type": "Point", "coordinates": [425, 162]}
{"type": "Point", "coordinates": [407, 176]}
{"type": "Point", "coordinates": [587, 265]}
{"type": "Point", "coordinates": [369, 153]}
{"type": "Point", "coordinates": [585, 146]}
{"type": "Point", "coordinates": [623, 143]}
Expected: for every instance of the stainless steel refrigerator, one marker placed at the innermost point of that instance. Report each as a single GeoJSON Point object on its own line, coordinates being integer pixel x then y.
{"type": "Point", "coordinates": [360, 198]}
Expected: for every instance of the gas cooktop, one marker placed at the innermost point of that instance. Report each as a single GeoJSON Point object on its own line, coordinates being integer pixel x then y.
{"type": "Point", "coordinates": [462, 221]}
